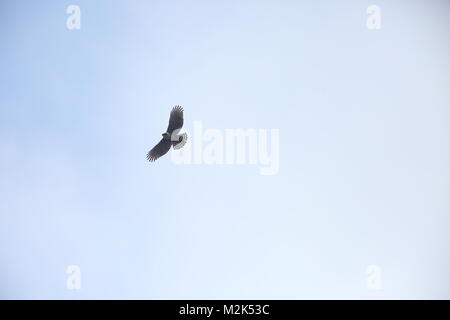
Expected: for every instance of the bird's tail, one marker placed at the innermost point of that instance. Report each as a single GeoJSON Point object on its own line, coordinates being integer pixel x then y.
{"type": "Point", "coordinates": [182, 139]}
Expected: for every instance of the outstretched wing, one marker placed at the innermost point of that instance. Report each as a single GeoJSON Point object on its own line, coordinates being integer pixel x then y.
{"type": "Point", "coordinates": [159, 150]}
{"type": "Point", "coordinates": [176, 119]}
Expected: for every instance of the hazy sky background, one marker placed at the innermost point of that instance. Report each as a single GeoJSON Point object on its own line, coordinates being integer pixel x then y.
{"type": "Point", "coordinates": [364, 174]}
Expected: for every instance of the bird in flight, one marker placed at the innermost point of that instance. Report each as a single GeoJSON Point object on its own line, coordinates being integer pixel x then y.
{"type": "Point", "coordinates": [171, 136]}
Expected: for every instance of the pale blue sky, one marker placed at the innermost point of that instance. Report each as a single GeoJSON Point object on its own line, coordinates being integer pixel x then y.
{"type": "Point", "coordinates": [364, 149]}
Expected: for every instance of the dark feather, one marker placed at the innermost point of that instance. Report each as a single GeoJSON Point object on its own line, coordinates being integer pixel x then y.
{"type": "Point", "coordinates": [159, 150]}
{"type": "Point", "coordinates": [176, 119]}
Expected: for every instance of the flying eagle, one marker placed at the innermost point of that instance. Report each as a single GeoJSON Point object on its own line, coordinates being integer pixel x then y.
{"type": "Point", "coordinates": [171, 136]}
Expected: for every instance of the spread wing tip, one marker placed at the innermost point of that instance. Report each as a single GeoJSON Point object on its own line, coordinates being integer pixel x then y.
{"type": "Point", "coordinates": [150, 157]}
{"type": "Point", "coordinates": [178, 108]}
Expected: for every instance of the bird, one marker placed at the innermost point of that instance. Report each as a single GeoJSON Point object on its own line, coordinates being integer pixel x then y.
{"type": "Point", "coordinates": [171, 136]}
